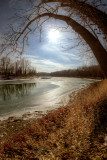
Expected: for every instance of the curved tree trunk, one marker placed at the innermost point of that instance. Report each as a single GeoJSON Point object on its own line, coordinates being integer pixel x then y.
{"type": "Point", "coordinates": [85, 9]}
{"type": "Point", "coordinates": [95, 15]}
{"type": "Point", "coordinates": [98, 50]}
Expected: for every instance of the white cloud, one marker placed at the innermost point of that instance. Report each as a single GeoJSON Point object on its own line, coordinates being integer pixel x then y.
{"type": "Point", "coordinates": [28, 56]}
{"type": "Point", "coordinates": [49, 65]}
{"type": "Point", "coordinates": [45, 65]}
{"type": "Point", "coordinates": [55, 50]}
{"type": "Point", "coordinates": [51, 48]}
{"type": "Point", "coordinates": [69, 57]}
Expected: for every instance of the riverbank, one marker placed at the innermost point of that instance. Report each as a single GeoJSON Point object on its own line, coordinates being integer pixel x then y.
{"type": "Point", "coordinates": [17, 77]}
{"type": "Point", "coordinates": [76, 131]}
{"type": "Point", "coordinates": [18, 97]}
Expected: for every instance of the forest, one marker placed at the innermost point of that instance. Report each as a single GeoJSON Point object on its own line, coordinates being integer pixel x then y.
{"type": "Point", "coordinates": [13, 68]}
{"type": "Point", "coordinates": [83, 72]}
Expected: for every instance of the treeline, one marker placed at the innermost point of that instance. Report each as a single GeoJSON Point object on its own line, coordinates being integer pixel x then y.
{"type": "Point", "coordinates": [21, 67]}
{"type": "Point", "coordinates": [83, 72]}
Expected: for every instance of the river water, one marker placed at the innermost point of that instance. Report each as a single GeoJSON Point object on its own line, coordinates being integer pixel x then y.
{"type": "Point", "coordinates": [20, 96]}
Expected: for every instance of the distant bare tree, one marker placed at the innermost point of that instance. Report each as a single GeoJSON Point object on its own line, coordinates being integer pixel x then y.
{"type": "Point", "coordinates": [5, 65]}
{"type": "Point", "coordinates": [20, 67]}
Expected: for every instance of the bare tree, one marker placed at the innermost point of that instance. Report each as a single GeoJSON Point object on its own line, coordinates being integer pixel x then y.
{"type": "Point", "coordinates": [88, 12]}
{"type": "Point", "coordinates": [20, 67]}
{"type": "Point", "coordinates": [5, 65]}
{"type": "Point", "coordinates": [77, 12]}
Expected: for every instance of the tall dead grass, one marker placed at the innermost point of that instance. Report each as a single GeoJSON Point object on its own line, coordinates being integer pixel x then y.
{"type": "Point", "coordinates": [73, 132]}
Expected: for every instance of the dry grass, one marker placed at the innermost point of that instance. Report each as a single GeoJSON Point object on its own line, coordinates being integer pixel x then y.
{"type": "Point", "coordinates": [74, 132]}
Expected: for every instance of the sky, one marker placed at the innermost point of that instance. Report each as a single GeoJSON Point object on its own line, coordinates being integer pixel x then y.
{"type": "Point", "coordinates": [49, 54]}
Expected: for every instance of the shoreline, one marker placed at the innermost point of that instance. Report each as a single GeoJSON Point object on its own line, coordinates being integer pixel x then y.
{"type": "Point", "coordinates": [26, 115]}
{"type": "Point", "coordinates": [32, 112]}
{"type": "Point", "coordinates": [33, 77]}
{"type": "Point", "coordinates": [28, 118]}
{"type": "Point", "coordinates": [18, 78]}
{"type": "Point", "coordinates": [53, 132]}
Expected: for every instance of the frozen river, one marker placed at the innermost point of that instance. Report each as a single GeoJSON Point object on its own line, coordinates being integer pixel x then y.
{"type": "Point", "coordinates": [20, 96]}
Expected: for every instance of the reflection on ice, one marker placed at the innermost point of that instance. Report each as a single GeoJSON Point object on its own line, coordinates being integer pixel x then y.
{"type": "Point", "coordinates": [7, 91]}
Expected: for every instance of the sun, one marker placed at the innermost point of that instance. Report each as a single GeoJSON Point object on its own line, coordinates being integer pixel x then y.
{"type": "Point", "coordinates": [54, 35]}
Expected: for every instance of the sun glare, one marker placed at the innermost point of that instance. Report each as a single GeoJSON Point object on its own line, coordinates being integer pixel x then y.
{"type": "Point", "coordinates": [53, 35]}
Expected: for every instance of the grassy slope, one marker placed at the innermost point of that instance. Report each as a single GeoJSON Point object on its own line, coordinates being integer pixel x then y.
{"type": "Point", "coordinates": [74, 132]}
